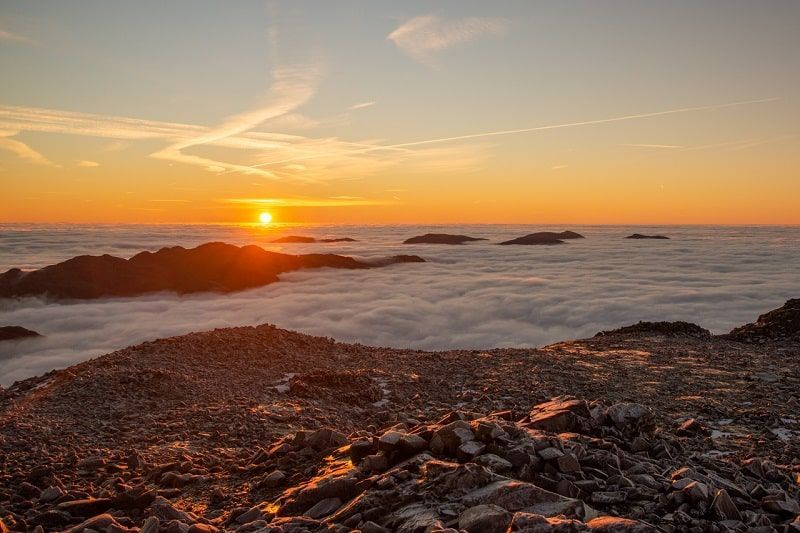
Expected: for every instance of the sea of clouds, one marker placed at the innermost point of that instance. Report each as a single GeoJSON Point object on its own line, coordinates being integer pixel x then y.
{"type": "Point", "coordinates": [473, 296]}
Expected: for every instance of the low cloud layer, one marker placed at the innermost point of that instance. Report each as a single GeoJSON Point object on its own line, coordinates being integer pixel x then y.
{"type": "Point", "coordinates": [473, 296]}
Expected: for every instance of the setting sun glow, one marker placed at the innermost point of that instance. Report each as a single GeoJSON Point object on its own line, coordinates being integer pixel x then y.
{"type": "Point", "coordinates": [265, 218]}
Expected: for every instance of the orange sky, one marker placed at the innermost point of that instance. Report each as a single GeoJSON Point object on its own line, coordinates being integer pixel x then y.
{"type": "Point", "coordinates": [519, 113]}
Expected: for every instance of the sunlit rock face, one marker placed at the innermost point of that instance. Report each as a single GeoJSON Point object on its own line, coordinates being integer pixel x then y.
{"type": "Point", "coordinates": [212, 267]}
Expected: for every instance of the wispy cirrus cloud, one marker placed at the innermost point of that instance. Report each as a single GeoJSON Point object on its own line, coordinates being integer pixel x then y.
{"type": "Point", "coordinates": [87, 164]}
{"type": "Point", "coordinates": [360, 105]}
{"type": "Point", "coordinates": [291, 157]}
{"type": "Point", "coordinates": [659, 146]}
{"type": "Point", "coordinates": [13, 37]}
{"type": "Point", "coordinates": [291, 88]}
{"type": "Point", "coordinates": [421, 37]}
{"type": "Point", "coordinates": [22, 150]}
{"type": "Point", "coordinates": [332, 201]}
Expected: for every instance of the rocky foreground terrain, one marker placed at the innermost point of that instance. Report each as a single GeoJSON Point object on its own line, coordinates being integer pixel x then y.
{"type": "Point", "coordinates": [653, 427]}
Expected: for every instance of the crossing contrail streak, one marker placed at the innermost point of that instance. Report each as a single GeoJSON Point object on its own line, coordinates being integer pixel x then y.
{"type": "Point", "coordinates": [527, 130]}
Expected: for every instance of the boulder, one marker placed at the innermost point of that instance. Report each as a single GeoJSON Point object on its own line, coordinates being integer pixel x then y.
{"type": "Point", "coordinates": [484, 519]}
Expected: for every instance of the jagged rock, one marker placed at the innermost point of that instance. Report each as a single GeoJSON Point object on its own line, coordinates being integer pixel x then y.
{"type": "Point", "coordinates": [484, 519]}
{"type": "Point", "coordinates": [493, 462]}
{"type": "Point", "coordinates": [87, 507]}
{"type": "Point", "coordinates": [517, 496]}
{"type": "Point", "coordinates": [390, 441]}
{"type": "Point", "coordinates": [780, 504]}
{"type": "Point", "coordinates": [360, 449]}
{"type": "Point", "coordinates": [724, 507]}
{"type": "Point", "coordinates": [614, 524]}
{"type": "Point", "coordinates": [448, 438]}
{"type": "Point", "coordinates": [103, 522]}
{"type": "Point", "coordinates": [631, 418]}
{"type": "Point", "coordinates": [150, 525]}
{"type": "Point", "coordinates": [324, 508]}
{"type": "Point", "coordinates": [50, 494]}
{"type": "Point", "coordinates": [164, 510]}
{"type": "Point", "coordinates": [560, 415]}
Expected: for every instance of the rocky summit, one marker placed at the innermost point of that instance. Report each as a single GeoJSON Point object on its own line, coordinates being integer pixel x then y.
{"type": "Point", "coordinates": [441, 238]}
{"type": "Point", "coordinates": [654, 427]}
{"type": "Point", "coordinates": [545, 238]}
{"type": "Point", "coordinates": [216, 267]}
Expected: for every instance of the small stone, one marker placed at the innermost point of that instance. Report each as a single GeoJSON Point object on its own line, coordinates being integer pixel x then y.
{"type": "Point", "coordinates": [91, 464]}
{"type": "Point", "coordinates": [412, 444]}
{"type": "Point", "coordinates": [389, 441]}
{"type": "Point", "coordinates": [690, 427]}
{"type": "Point", "coordinates": [631, 418]}
{"type": "Point", "coordinates": [251, 515]}
{"type": "Point", "coordinates": [202, 528]}
{"type": "Point", "coordinates": [361, 449]}
{"type": "Point", "coordinates": [372, 527]}
{"type": "Point", "coordinates": [568, 463]}
{"type": "Point", "coordinates": [275, 478]}
{"type": "Point", "coordinates": [50, 494]}
{"type": "Point", "coordinates": [150, 525]}
{"type": "Point", "coordinates": [493, 462]}
{"type": "Point", "coordinates": [697, 492]}
{"type": "Point", "coordinates": [85, 508]}
{"type": "Point", "coordinates": [607, 497]}
{"type": "Point", "coordinates": [550, 454]}
{"type": "Point", "coordinates": [470, 449]}
{"type": "Point", "coordinates": [375, 463]}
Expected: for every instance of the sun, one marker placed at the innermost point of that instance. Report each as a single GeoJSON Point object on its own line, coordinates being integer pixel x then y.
{"type": "Point", "coordinates": [265, 218]}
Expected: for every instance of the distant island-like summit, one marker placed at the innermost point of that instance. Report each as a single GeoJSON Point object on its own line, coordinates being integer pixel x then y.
{"type": "Point", "coordinates": [441, 238]}
{"type": "Point", "coordinates": [640, 236]}
{"type": "Point", "coordinates": [10, 333]}
{"type": "Point", "coordinates": [545, 238]}
{"type": "Point", "coordinates": [211, 267]}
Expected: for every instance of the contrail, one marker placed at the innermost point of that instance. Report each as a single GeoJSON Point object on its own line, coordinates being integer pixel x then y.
{"type": "Point", "coordinates": [527, 130]}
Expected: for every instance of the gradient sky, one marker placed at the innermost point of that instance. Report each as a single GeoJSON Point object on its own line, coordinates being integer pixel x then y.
{"type": "Point", "coordinates": [368, 112]}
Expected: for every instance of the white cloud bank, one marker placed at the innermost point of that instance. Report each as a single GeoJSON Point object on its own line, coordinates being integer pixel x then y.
{"type": "Point", "coordinates": [473, 296]}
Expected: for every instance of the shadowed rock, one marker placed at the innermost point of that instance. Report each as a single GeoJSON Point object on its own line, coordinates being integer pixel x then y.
{"type": "Point", "coordinates": [441, 238]}
{"type": "Point", "coordinates": [659, 328]}
{"type": "Point", "coordinates": [640, 236]}
{"type": "Point", "coordinates": [781, 323]}
{"type": "Point", "coordinates": [8, 333]}
{"type": "Point", "coordinates": [305, 240]}
{"type": "Point", "coordinates": [216, 267]}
